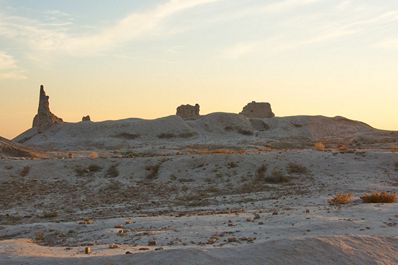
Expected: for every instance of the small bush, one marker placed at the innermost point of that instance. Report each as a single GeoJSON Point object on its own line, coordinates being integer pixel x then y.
{"type": "Point", "coordinates": [319, 146]}
{"type": "Point", "coordinates": [127, 136]}
{"type": "Point", "coordinates": [50, 214]}
{"type": "Point", "coordinates": [294, 168]}
{"type": "Point", "coordinates": [93, 155]}
{"type": "Point", "coordinates": [342, 148]}
{"type": "Point", "coordinates": [276, 177]}
{"type": "Point", "coordinates": [379, 197]}
{"type": "Point", "coordinates": [25, 171]}
{"type": "Point", "coordinates": [152, 171]}
{"type": "Point", "coordinates": [112, 171]}
{"type": "Point", "coordinates": [94, 168]}
{"type": "Point", "coordinates": [186, 135]}
{"type": "Point", "coordinates": [245, 132]}
{"type": "Point", "coordinates": [232, 164]}
{"type": "Point", "coordinates": [39, 236]}
{"type": "Point", "coordinates": [261, 171]}
{"type": "Point", "coordinates": [341, 198]}
{"type": "Point", "coordinates": [166, 135]}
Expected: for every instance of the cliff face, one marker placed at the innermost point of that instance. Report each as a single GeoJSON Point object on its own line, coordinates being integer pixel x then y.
{"type": "Point", "coordinates": [44, 119]}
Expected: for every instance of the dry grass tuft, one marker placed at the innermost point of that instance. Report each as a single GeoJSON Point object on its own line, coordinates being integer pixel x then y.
{"type": "Point", "coordinates": [341, 198]}
{"type": "Point", "coordinates": [379, 197]}
{"type": "Point", "coordinates": [152, 171]}
{"type": "Point", "coordinates": [93, 155]}
{"type": "Point", "coordinates": [25, 171]}
{"type": "Point", "coordinates": [276, 177]}
{"type": "Point", "coordinates": [294, 168]}
{"type": "Point", "coordinates": [112, 172]}
{"type": "Point", "coordinates": [319, 146]}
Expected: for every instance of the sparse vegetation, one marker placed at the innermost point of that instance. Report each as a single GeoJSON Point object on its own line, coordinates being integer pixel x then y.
{"type": "Point", "coordinates": [93, 155]}
{"type": "Point", "coordinates": [340, 198]}
{"type": "Point", "coordinates": [245, 132]}
{"type": "Point", "coordinates": [172, 135]}
{"type": "Point", "coordinates": [91, 169]}
{"type": "Point", "coordinates": [232, 164]}
{"type": "Point", "coordinates": [25, 171]}
{"type": "Point", "coordinates": [294, 168]}
{"type": "Point", "coordinates": [238, 130]}
{"type": "Point", "coordinates": [127, 136]}
{"type": "Point", "coordinates": [152, 171]}
{"type": "Point", "coordinates": [94, 168]}
{"type": "Point", "coordinates": [379, 197]}
{"type": "Point", "coordinates": [186, 135]}
{"type": "Point", "coordinates": [319, 146]}
{"type": "Point", "coordinates": [49, 214]}
{"type": "Point", "coordinates": [261, 171]}
{"type": "Point", "coordinates": [166, 135]}
{"type": "Point", "coordinates": [112, 172]}
{"type": "Point", "coordinates": [39, 236]}
{"type": "Point", "coordinates": [342, 148]}
{"type": "Point", "coordinates": [276, 177]}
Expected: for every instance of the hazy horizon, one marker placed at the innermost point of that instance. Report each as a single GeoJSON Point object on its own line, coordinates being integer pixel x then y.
{"type": "Point", "coordinates": [125, 59]}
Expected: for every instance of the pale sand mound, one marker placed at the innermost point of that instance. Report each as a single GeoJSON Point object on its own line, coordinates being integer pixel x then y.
{"type": "Point", "coordinates": [323, 250]}
{"type": "Point", "coordinates": [9, 149]}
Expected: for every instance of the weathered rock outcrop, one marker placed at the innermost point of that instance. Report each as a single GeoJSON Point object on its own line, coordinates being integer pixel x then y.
{"type": "Point", "coordinates": [44, 119]}
{"type": "Point", "coordinates": [86, 118]}
{"type": "Point", "coordinates": [258, 110]}
{"type": "Point", "coordinates": [189, 112]}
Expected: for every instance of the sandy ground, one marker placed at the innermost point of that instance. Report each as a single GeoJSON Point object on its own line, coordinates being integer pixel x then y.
{"type": "Point", "coordinates": [222, 189]}
{"type": "Point", "coordinates": [198, 207]}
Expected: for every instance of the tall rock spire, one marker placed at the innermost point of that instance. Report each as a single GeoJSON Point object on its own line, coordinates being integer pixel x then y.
{"type": "Point", "coordinates": [44, 119]}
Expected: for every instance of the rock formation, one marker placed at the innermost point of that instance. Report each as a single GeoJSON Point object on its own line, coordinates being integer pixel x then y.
{"type": "Point", "coordinates": [189, 112]}
{"type": "Point", "coordinates": [44, 119]}
{"type": "Point", "coordinates": [258, 110]}
{"type": "Point", "coordinates": [86, 118]}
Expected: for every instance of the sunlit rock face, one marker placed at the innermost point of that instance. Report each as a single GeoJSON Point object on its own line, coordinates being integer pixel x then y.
{"type": "Point", "coordinates": [44, 119]}
{"type": "Point", "coordinates": [189, 112]}
{"type": "Point", "coordinates": [258, 110]}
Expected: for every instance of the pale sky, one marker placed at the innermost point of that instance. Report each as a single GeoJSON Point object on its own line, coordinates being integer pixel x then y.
{"type": "Point", "coordinates": [116, 59]}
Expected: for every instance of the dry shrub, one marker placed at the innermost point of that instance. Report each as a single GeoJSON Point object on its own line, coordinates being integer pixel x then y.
{"type": "Point", "coordinates": [93, 155]}
{"type": "Point", "coordinates": [39, 236]}
{"type": "Point", "coordinates": [152, 171]}
{"type": "Point", "coordinates": [276, 177]}
{"type": "Point", "coordinates": [379, 197]}
{"type": "Point", "coordinates": [342, 148]}
{"type": "Point", "coordinates": [260, 172]}
{"type": "Point", "coordinates": [393, 148]}
{"type": "Point", "coordinates": [294, 168]}
{"type": "Point", "coordinates": [112, 172]}
{"type": "Point", "coordinates": [166, 135]}
{"type": "Point", "coordinates": [245, 132]}
{"type": "Point", "coordinates": [25, 171]}
{"type": "Point", "coordinates": [319, 146]}
{"type": "Point", "coordinates": [187, 135]}
{"type": "Point", "coordinates": [49, 214]}
{"type": "Point", "coordinates": [341, 198]}
{"type": "Point", "coordinates": [127, 136]}
{"type": "Point", "coordinates": [94, 168]}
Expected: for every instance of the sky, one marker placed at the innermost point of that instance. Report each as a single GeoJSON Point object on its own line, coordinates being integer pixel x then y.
{"type": "Point", "coordinates": [115, 59]}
